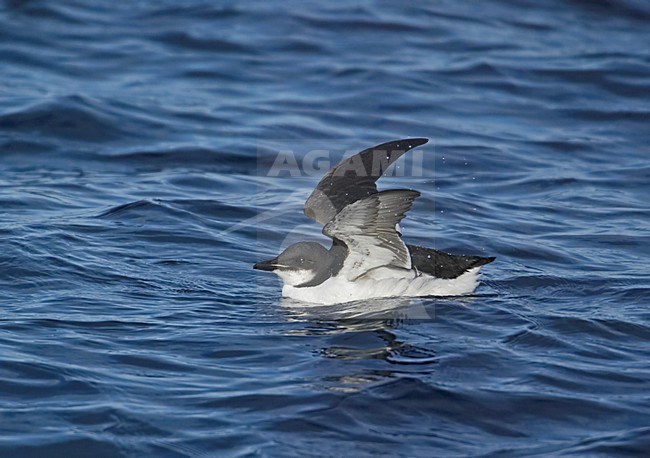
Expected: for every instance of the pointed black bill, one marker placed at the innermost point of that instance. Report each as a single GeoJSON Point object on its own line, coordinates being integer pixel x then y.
{"type": "Point", "coordinates": [269, 265]}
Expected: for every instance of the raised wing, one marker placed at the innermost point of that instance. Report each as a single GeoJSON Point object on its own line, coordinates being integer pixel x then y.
{"type": "Point", "coordinates": [355, 178]}
{"type": "Point", "coordinates": [367, 227]}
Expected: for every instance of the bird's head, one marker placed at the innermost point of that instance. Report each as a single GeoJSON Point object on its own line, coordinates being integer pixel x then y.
{"type": "Point", "coordinates": [297, 264]}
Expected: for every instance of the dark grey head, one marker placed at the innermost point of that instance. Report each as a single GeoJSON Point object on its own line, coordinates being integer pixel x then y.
{"type": "Point", "coordinates": [298, 264]}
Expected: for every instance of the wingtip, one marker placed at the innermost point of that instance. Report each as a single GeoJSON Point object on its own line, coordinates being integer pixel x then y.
{"type": "Point", "coordinates": [482, 261]}
{"type": "Point", "coordinates": [402, 192]}
{"type": "Point", "coordinates": [414, 142]}
{"type": "Point", "coordinates": [404, 144]}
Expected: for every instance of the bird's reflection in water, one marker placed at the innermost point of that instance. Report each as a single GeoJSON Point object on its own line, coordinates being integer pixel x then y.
{"type": "Point", "coordinates": [366, 332]}
{"type": "Point", "coordinates": [360, 315]}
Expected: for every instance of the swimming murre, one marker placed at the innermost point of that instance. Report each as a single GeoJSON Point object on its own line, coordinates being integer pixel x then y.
{"type": "Point", "coordinates": [368, 258]}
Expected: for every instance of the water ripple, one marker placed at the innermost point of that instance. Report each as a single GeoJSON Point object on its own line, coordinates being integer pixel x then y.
{"type": "Point", "coordinates": [136, 142]}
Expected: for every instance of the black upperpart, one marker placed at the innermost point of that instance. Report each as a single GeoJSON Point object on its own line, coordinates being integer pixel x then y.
{"type": "Point", "coordinates": [443, 265]}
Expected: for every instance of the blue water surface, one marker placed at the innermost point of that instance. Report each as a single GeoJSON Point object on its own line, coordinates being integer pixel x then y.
{"type": "Point", "coordinates": [137, 141]}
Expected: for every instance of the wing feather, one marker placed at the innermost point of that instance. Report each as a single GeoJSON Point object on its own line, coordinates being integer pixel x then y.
{"type": "Point", "coordinates": [355, 178]}
{"type": "Point", "coordinates": [368, 229]}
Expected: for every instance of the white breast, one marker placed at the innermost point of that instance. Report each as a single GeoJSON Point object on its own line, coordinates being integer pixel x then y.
{"type": "Point", "coordinates": [294, 277]}
{"type": "Point", "coordinates": [384, 282]}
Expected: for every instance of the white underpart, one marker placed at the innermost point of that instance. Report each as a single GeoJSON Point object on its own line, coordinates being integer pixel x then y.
{"type": "Point", "coordinates": [294, 277]}
{"type": "Point", "coordinates": [383, 282]}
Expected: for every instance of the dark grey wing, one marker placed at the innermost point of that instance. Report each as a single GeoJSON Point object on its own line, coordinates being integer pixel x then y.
{"type": "Point", "coordinates": [444, 265]}
{"type": "Point", "coordinates": [355, 178]}
{"type": "Point", "coordinates": [367, 228]}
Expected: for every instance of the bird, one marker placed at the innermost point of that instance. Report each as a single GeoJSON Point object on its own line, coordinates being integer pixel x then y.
{"type": "Point", "coordinates": [367, 258]}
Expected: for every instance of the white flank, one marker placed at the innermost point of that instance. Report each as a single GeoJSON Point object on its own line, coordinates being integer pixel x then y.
{"type": "Point", "coordinates": [384, 282]}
